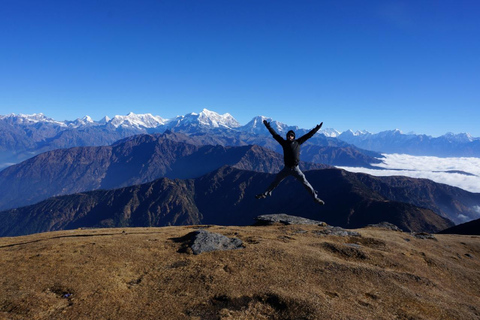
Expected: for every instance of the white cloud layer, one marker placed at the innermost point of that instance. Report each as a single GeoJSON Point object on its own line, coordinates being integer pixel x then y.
{"type": "Point", "coordinates": [459, 172]}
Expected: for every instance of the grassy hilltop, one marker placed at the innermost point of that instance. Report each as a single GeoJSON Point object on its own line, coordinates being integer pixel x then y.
{"type": "Point", "coordinates": [283, 272]}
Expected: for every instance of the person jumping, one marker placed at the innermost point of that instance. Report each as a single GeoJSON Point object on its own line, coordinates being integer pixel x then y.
{"type": "Point", "coordinates": [291, 158]}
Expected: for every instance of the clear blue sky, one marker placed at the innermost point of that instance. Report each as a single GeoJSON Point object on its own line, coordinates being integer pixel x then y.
{"type": "Point", "coordinates": [373, 65]}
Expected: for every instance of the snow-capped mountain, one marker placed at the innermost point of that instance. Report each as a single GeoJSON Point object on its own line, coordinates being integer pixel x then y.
{"type": "Point", "coordinates": [329, 132]}
{"type": "Point", "coordinates": [215, 120]}
{"type": "Point", "coordinates": [137, 121]}
{"type": "Point", "coordinates": [30, 119]}
{"type": "Point", "coordinates": [105, 120]}
{"type": "Point", "coordinates": [81, 122]}
{"type": "Point", "coordinates": [461, 137]}
{"type": "Point", "coordinates": [22, 136]}
{"type": "Point", "coordinates": [256, 126]}
{"type": "Point", "coordinates": [351, 133]}
{"type": "Point", "coordinates": [395, 141]}
{"type": "Point", "coordinates": [205, 120]}
{"type": "Point", "coordinates": [190, 122]}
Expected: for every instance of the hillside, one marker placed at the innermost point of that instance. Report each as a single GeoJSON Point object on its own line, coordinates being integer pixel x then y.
{"type": "Point", "coordinates": [283, 272]}
{"type": "Point", "coordinates": [128, 162]}
{"type": "Point", "coordinates": [468, 228]}
{"type": "Point", "coordinates": [226, 197]}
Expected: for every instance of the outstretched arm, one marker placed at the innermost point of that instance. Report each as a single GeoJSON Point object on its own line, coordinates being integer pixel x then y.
{"type": "Point", "coordinates": [310, 134]}
{"type": "Point", "coordinates": [275, 135]}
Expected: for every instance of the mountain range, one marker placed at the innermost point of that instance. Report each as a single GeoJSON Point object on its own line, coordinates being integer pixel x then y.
{"type": "Point", "coordinates": [22, 136]}
{"type": "Point", "coordinates": [144, 158]}
{"type": "Point", "coordinates": [199, 168]}
{"type": "Point", "coordinates": [394, 141]}
{"type": "Point", "coordinates": [226, 197]}
{"type": "Point", "coordinates": [131, 161]}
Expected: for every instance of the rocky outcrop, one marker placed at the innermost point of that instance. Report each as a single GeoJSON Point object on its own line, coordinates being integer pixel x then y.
{"type": "Point", "coordinates": [385, 225]}
{"type": "Point", "coordinates": [205, 241]}
{"type": "Point", "coordinates": [337, 231]}
{"type": "Point", "coordinates": [268, 219]}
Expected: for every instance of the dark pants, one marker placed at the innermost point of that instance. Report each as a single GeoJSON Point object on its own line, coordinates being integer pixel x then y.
{"type": "Point", "coordinates": [295, 172]}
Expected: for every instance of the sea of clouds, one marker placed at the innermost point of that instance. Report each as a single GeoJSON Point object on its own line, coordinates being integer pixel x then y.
{"type": "Point", "coordinates": [458, 172]}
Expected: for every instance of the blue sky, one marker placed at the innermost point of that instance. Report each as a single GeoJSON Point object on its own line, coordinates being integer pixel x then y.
{"type": "Point", "coordinates": [361, 65]}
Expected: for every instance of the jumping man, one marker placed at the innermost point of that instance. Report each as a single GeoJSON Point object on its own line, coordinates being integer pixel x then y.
{"type": "Point", "coordinates": [291, 157]}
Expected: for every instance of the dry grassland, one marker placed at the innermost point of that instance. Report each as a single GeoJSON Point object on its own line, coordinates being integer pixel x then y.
{"type": "Point", "coordinates": [283, 272]}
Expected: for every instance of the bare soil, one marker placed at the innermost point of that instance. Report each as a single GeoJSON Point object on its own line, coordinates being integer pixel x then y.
{"type": "Point", "coordinates": [283, 272]}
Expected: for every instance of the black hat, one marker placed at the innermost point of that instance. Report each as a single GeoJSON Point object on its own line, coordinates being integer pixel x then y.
{"type": "Point", "coordinates": [292, 133]}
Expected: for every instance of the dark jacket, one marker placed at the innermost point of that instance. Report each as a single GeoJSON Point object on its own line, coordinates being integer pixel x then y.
{"type": "Point", "coordinates": [291, 149]}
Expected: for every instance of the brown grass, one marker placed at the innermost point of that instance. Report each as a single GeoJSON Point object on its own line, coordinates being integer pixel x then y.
{"type": "Point", "coordinates": [284, 272]}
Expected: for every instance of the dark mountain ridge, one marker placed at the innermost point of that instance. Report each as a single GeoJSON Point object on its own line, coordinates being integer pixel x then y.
{"type": "Point", "coordinates": [225, 197]}
{"type": "Point", "coordinates": [128, 162]}
{"type": "Point", "coordinates": [450, 202]}
{"type": "Point", "coordinates": [467, 228]}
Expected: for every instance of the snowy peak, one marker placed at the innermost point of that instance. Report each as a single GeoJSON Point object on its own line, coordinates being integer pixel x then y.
{"type": "Point", "coordinates": [29, 119]}
{"type": "Point", "coordinates": [81, 122]}
{"type": "Point", "coordinates": [461, 137]}
{"type": "Point", "coordinates": [205, 119]}
{"type": "Point", "coordinates": [350, 134]}
{"type": "Point", "coordinates": [330, 132]}
{"type": "Point", "coordinates": [136, 121]}
{"type": "Point", "coordinates": [87, 119]}
{"type": "Point", "coordinates": [213, 119]}
{"type": "Point", "coordinates": [256, 126]}
{"type": "Point", "coordinates": [105, 120]}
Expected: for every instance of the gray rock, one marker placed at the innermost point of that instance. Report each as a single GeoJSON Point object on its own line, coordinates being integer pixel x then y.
{"type": "Point", "coordinates": [337, 231]}
{"type": "Point", "coordinates": [424, 235]}
{"type": "Point", "coordinates": [385, 225]}
{"type": "Point", "coordinates": [268, 219]}
{"type": "Point", "coordinates": [353, 245]}
{"type": "Point", "coordinates": [205, 241]}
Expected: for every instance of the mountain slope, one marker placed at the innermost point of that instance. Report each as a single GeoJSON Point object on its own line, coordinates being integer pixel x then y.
{"type": "Point", "coordinates": [350, 203]}
{"type": "Point", "coordinates": [453, 203]}
{"type": "Point", "coordinates": [131, 161]}
{"type": "Point", "coordinates": [226, 197]}
{"type": "Point", "coordinates": [160, 203]}
{"type": "Point", "coordinates": [468, 228]}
